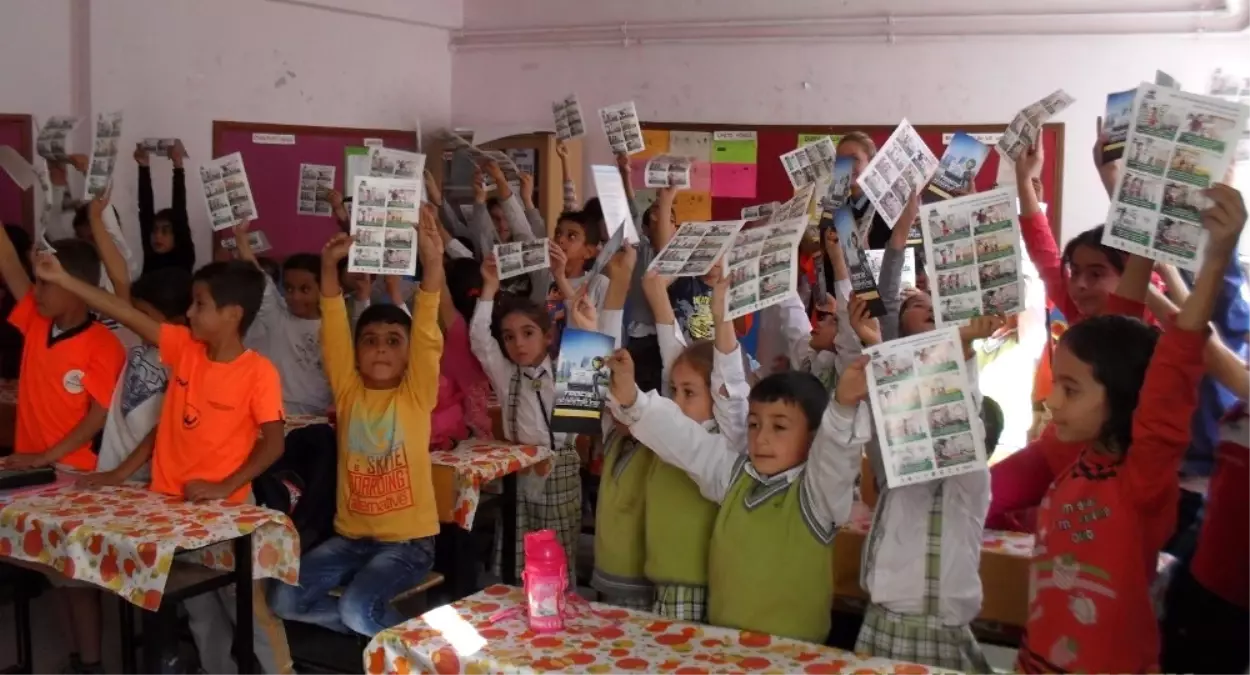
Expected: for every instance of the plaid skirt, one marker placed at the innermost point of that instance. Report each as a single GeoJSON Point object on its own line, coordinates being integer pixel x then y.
{"type": "Point", "coordinates": [683, 603]}
{"type": "Point", "coordinates": [642, 604]}
{"type": "Point", "coordinates": [558, 508]}
{"type": "Point", "coordinates": [919, 639]}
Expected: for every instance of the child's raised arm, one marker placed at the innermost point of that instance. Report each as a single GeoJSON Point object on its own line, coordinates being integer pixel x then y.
{"type": "Point", "coordinates": [49, 269]}
{"type": "Point", "coordinates": [620, 273]}
{"type": "Point", "coordinates": [110, 256]}
{"type": "Point", "coordinates": [668, 334]}
{"type": "Point", "coordinates": [483, 344]}
{"type": "Point", "coordinates": [662, 226]}
{"type": "Point", "coordinates": [184, 245]}
{"type": "Point", "coordinates": [659, 424]}
{"type": "Point", "coordinates": [566, 177]}
{"type": "Point", "coordinates": [1169, 394]}
{"type": "Point", "coordinates": [147, 203]}
{"type": "Point", "coordinates": [729, 379]}
{"type": "Point", "coordinates": [426, 340]}
{"type": "Point", "coordinates": [338, 354]}
{"type": "Point", "coordinates": [11, 267]}
{"type": "Point", "coordinates": [890, 279]}
{"type": "Point", "coordinates": [834, 459]}
{"type": "Point", "coordinates": [1223, 365]}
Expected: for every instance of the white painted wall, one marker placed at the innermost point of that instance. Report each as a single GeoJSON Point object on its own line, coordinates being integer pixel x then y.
{"type": "Point", "coordinates": [35, 53]}
{"type": "Point", "coordinates": [983, 80]}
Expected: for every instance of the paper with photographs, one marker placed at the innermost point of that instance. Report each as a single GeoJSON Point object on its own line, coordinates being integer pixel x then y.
{"type": "Point", "coordinates": [159, 146]}
{"type": "Point", "coordinates": [760, 211]}
{"type": "Point", "coordinates": [315, 183]}
{"type": "Point", "coordinates": [511, 172]}
{"type": "Point", "coordinates": [391, 163]}
{"type": "Point", "coordinates": [763, 266]}
{"type": "Point", "coordinates": [384, 225]}
{"type": "Point", "coordinates": [106, 137]}
{"type": "Point", "coordinates": [922, 404]}
{"type": "Point", "coordinates": [903, 165]}
{"type": "Point", "coordinates": [52, 143]}
{"type": "Point", "coordinates": [1178, 145]}
{"type": "Point", "coordinates": [258, 240]}
{"type": "Point", "coordinates": [958, 168]}
{"type": "Point", "coordinates": [1115, 123]}
{"type": "Point", "coordinates": [851, 240]}
{"type": "Point", "coordinates": [840, 183]}
{"type": "Point", "coordinates": [610, 189]}
{"type": "Point", "coordinates": [908, 277]}
{"type": "Point", "coordinates": [695, 247]}
{"type": "Point", "coordinates": [972, 245]}
{"type": "Point", "coordinates": [569, 121]}
{"type": "Point", "coordinates": [1025, 127]}
{"type": "Point", "coordinates": [521, 257]}
{"type": "Point", "coordinates": [20, 170]}
{"type": "Point", "coordinates": [794, 207]}
{"type": "Point", "coordinates": [227, 192]}
{"type": "Point", "coordinates": [581, 381]}
{"type": "Point", "coordinates": [810, 163]}
{"type": "Point", "coordinates": [620, 123]}
{"type": "Point", "coordinates": [668, 171]}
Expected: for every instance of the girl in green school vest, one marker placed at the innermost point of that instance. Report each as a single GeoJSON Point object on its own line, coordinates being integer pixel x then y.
{"type": "Point", "coordinates": [653, 526]}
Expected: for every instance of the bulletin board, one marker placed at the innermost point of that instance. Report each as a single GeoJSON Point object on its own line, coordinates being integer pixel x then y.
{"type": "Point", "coordinates": [17, 207]}
{"type": "Point", "coordinates": [731, 175]}
{"type": "Point", "coordinates": [272, 166]}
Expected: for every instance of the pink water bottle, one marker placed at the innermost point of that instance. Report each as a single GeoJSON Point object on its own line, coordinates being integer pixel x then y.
{"type": "Point", "coordinates": [546, 578]}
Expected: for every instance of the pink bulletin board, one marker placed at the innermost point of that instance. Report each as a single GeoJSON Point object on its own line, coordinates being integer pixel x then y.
{"type": "Point", "coordinates": [273, 171]}
{"type": "Point", "coordinates": [17, 207]}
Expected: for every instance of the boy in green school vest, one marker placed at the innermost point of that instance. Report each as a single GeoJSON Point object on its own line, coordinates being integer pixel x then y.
{"type": "Point", "coordinates": [770, 566]}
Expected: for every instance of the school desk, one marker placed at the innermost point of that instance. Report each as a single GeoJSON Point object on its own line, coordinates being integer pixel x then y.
{"type": "Point", "coordinates": [1005, 560]}
{"type": "Point", "coordinates": [124, 539]}
{"type": "Point", "coordinates": [488, 632]}
{"type": "Point", "coordinates": [460, 474]}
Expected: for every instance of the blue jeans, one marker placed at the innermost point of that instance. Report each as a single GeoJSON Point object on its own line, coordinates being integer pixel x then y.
{"type": "Point", "coordinates": [372, 573]}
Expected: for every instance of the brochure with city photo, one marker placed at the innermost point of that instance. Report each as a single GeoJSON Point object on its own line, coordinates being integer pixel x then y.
{"type": "Point", "coordinates": [52, 143]}
{"type": "Point", "coordinates": [863, 281]}
{"type": "Point", "coordinates": [762, 265]}
{"type": "Point", "coordinates": [1178, 145]}
{"type": "Point", "coordinates": [227, 193]}
{"type": "Point", "coordinates": [923, 407]}
{"type": "Point", "coordinates": [957, 170]}
{"type": "Point", "coordinates": [903, 165]}
{"type": "Point", "coordinates": [581, 382]}
{"type": "Point", "coordinates": [620, 124]}
{"type": "Point", "coordinates": [106, 137]}
{"type": "Point", "coordinates": [840, 185]}
{"type": "Point", "coordinates": [1115, 123]}
{"type": "Point", "coordinates": [521, 257]}
{"type": "Point", "coordinates": [384, 225]}
{"type": "Point", "coordinates": [972, 245]}
{"type": "Point", "coordinates": [315, 183]}
{"type": "Point", "coordinates": [695, 247]}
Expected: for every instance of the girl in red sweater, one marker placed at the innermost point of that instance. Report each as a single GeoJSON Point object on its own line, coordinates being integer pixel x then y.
{"type": "Point", "coordinates": [1126, 396]}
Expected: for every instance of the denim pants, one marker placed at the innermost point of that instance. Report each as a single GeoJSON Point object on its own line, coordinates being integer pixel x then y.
{"type": "Point", "coordinates": [371, 572]}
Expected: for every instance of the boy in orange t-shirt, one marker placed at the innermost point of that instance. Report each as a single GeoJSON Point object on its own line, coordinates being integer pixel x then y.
{"type": "Point", "coordinates": [70, 362]}
{"type": "Point", "coordinates": [221, 423]}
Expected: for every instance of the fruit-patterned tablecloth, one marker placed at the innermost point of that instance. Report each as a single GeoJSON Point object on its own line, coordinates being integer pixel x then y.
{"type": "Point", "coordinates": [460, 473]}
{"type": "Point", "coordinates": [124, 538]}
{"type": "Point", "coordinates": [460, 638]}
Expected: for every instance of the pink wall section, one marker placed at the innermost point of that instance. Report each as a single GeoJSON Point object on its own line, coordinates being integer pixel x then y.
{"type": "Point", "coordinates": [975, 80]}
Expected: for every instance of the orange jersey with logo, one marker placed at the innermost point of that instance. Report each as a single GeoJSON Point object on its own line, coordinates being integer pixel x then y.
{"type": "Point", "coordinates": [212, 414]}
{"type": "Point", "coordinates": [60, 377]}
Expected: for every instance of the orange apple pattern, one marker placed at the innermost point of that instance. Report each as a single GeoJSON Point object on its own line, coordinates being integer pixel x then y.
{"type": "Point", "coordinates": [602, 640]}
{"type": "Point", "coordinates": [473, 464]}
{"type": "Point", "coordinates": [124, 538]}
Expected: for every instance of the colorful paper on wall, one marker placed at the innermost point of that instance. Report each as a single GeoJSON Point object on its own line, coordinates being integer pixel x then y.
{"type": "Point", "coordinates": [734, 180]}
{"type": "Point", "coordinates": [695, 144]}
{"type": "Point", "coordinates": [701, 177]}
{"type": "Point", "coordinates": [693, 206]}
{"type": "Point", "coordinates": [655, 142]}
{"type": "Point", "coordinates": [735, 147]}
{"type": "Point", "coordinates": [808, 139]}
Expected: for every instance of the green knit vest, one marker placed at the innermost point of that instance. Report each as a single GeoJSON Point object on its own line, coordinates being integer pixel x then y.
{"type": "Point", "coordinates": [679, 527]}
{"type": "Point", "coordinates": [768, 571]}
{"type": "Point", "coordinates": [620, 518]}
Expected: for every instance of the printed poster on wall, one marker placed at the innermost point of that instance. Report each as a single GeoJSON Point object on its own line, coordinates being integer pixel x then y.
{"type": "Point", "coordinates": [227, 192]}
{"type": "Point", "coordinates": [384, 225]}
{"type": "Point", "coordinates": [1178, 145]}
{"type": "Point", "coordinates": [581, 382]}
{"type": "Point", "coordinates": [922, 405]}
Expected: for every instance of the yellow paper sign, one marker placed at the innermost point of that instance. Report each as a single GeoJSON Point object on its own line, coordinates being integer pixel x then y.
{"type": "Point", "coordinates": [808, 139]}
{"type": "Point", "coordinates": [693, 207]}
{"type": "Point", "coordinates": [656, 142]}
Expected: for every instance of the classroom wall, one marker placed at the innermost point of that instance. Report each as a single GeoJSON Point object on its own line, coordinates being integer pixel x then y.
{"type": "Point", "coordinates": [35, 53]}
{"type": "Point", "coordinates": [974, 80]}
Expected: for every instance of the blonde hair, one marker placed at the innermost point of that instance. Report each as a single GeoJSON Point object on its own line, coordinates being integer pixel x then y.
{"type": "Point", "coordinates": [863, 139]}
{"type": "Point", "coordinates": [698, 356]}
